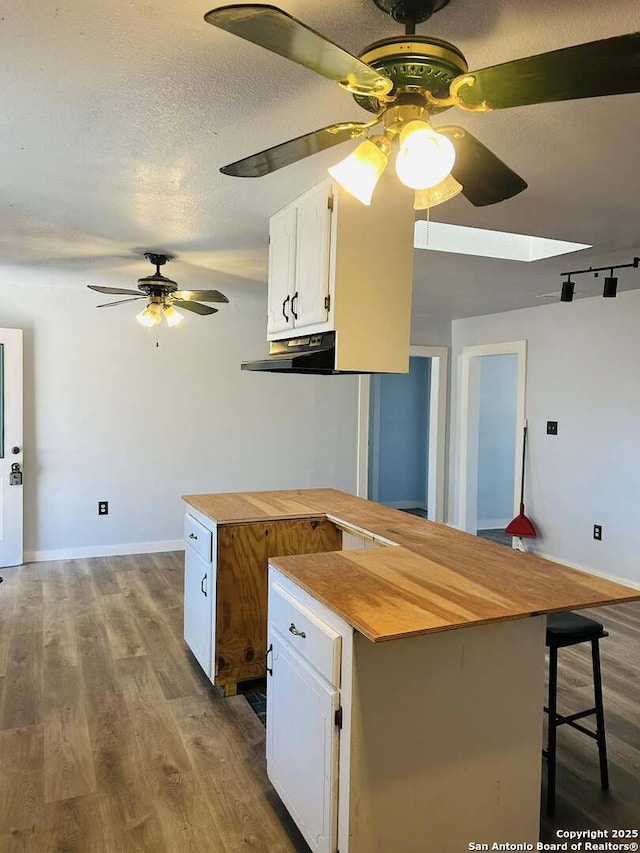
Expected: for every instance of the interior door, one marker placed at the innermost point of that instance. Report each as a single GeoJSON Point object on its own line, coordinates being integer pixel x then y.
{"type": "Point", "coordinates": [11, 502]}
{"type": "Point", "coordinates": [282, 270]}
{"type": "Point", "coordinates": [313, 240]}
{"type": "Point", "coordinates": [302, 744]}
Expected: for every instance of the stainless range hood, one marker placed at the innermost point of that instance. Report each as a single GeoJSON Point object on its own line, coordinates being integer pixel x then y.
{"type": "Point", "coordinates": [310, 354]}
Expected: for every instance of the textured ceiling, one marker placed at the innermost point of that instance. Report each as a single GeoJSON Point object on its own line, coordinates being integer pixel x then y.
{"type": "Point", "coordinates": [116, 117]}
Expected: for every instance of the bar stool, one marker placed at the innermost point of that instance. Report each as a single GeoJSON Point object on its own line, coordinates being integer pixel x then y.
{"type": "Point", "coordinates": [569, 629]}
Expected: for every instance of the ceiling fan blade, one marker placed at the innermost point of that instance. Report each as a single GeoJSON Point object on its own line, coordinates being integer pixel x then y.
{"type": "Point", "coordinates": [606, 67]}
{"type": "Point", "coordinates": [271, 159]}
{"type": "Point", "coordinates": [116, 290]}
{"type": "Point", "coordinates": [195, 307]}
{"type": "Point", "coordinates": [275, 30]}
{"type": "Point", "coordinates": [484, 177]}
{"type": "Point", "coordinates": [202, 295]}
{"type": "Point", "coordinates": [121, 301]}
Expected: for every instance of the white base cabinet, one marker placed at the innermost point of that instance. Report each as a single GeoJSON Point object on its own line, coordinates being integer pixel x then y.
{"type": "Point", "coordinates": [302, 745]}
{"type": "Point", "coordinates": [441, 734]}
{"type": "Point", "coordinates": [199, 592]}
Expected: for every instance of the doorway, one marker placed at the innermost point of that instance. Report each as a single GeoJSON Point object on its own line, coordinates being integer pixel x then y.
{"type": "Point", "coordinates": [402, 435]}
{"type": "Point", "coordinates": [11, 505]}
{"type": "Point", "coordinates": [492, 408]}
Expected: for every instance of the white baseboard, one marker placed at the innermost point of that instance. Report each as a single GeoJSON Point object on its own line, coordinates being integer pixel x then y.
{"type": "Point", "coordinates": [406, 505]}
{"type": "Point", "coordinates": [493, 523]}
{"type": "Point", "coordinates": [563, 562]}
{"type": "Point", "coordinates": [104, 551]}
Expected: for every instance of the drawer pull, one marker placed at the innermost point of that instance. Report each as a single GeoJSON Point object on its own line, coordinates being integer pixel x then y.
{"type": "Point", "coordinates": [293, 630]}
{"type": "Point", "coordinates": [266, 659]}
{"type": "Point", "coordinates": [202, 589]}
{"type": "Point", "coordinates": [192, 536]}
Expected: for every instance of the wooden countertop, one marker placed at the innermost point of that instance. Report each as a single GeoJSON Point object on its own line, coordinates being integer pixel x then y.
{"type": "Point", "coordinates": [437, 579]}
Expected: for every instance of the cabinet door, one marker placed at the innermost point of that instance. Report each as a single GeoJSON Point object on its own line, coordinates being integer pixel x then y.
{"type": "Point", "coordinates": [282, 270]}
{"type": "Point", "coordinates": [199, 606]}
{"type": "Point", "coordinates": [302, 744]}
{"type": "Point", "coordinates": [313, 239]}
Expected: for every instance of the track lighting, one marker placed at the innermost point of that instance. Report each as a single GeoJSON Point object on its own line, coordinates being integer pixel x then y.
{"type": "Point", "coordinates": [610, 287]}
{"type": "Point", "coordinates": [610, 290]}
{"type": "Point", "coordinates": [567, 291]}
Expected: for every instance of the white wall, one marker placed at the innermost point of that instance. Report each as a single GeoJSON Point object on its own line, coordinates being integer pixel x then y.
{"type": "Point", "coordinates": [108, 416]}
{"type": "Point", "coordinates": [583, 371]}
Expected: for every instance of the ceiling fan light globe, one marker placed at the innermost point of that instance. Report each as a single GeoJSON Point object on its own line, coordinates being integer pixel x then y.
{"type": "Point", "coordinates": [425, 199]}
{"type": "Point", "coordinates": [425, 157]}
{"type": "Point", "coordinates": [359, 173]}
{"type": "Point", "coordinates": [150, 316]}
{"type": "Point", "coordinates": [172, 316]}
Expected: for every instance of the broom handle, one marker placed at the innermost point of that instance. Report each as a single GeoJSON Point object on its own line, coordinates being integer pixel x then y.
{"type": "Point", "coordinates": [524, 456]}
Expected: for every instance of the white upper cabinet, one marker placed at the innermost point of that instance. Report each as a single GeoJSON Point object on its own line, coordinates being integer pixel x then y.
{"type": "Point", "coordinates": [313, 244]}
{"type": "Point", "coordinates": [282, 269]}
{"type": "Point", "coordinates": [336, 265]}
{"type": "Point", "coordinates": [299, 255]}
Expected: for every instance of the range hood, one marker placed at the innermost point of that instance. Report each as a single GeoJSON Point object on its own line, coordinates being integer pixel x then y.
{"type": "Point", "coordinates": [307, 354]}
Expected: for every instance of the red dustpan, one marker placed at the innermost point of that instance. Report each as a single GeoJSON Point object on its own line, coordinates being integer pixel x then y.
{"type": "Point", "coordinates": [521, 525]}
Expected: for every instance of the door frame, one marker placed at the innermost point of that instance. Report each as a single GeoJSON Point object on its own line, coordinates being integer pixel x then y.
{"type": "Point", "coordinates": [437, 429]}
{"type": "Point", "coordinates": [13, 503]}
{"type": "Point", "coordinates": [466, 409]}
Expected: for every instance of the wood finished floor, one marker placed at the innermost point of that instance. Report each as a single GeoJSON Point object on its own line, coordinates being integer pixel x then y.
{"type": "Point", "coordinates": [112, 740]}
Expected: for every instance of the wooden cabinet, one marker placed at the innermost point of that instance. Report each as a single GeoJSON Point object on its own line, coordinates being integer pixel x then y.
{"type": "Point", "coordinates": [225, 588]}
{"type": "Point", "coordinates": [337, 265]}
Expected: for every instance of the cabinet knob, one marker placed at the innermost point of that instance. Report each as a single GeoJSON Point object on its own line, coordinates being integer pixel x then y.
{"type": "Point", "coordinates": [293, 630]}
{"type": "Point", "coordinates": [192, 536]}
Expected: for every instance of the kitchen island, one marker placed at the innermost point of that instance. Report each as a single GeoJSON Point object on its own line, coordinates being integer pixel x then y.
{"type": "Point", "coordinates": [389, 729]}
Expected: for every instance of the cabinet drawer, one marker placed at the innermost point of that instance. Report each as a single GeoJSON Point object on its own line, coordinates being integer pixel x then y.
{"type": "Point", "coordinates": [309, 635]}
{"type": "Point", "coordinates": [197, 535]}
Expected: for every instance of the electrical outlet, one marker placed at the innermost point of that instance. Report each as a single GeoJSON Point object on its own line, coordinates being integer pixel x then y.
{"type": "Point", "coordinates": [103, 507]}
{"type": "Point", "coordinates": [552, 427]}
{"type": "Point", "coordinates": [597, 532]}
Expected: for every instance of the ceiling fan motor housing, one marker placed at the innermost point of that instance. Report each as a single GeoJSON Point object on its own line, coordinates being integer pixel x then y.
{"type": "Point", "coordinates": [157, 285]}
{"type": "Point", "coordinates": [414, 64]}
{"type": "Point", "coordinates": [411, 11]}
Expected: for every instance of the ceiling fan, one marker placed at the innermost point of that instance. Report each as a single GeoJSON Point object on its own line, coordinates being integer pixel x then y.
{"type": "Point", "coordinates": [407, 79]}
{"type": "Point", "coordinates": [162, 296]}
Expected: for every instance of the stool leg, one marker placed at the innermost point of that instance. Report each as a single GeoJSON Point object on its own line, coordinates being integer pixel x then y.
{"type": "Point", "coordinates": [600, 731]}
{"type": "Point", "coordinates": [551, 746]}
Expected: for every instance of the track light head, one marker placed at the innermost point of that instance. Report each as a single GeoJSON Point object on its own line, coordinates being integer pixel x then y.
{"type": "Point", "coordinates": [610, 286]}
{"type": "Point", "coordinates": [566, 294]}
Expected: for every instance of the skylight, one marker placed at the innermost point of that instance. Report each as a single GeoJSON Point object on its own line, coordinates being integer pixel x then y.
{"type": "Point", "coordinates": [461, 240]}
